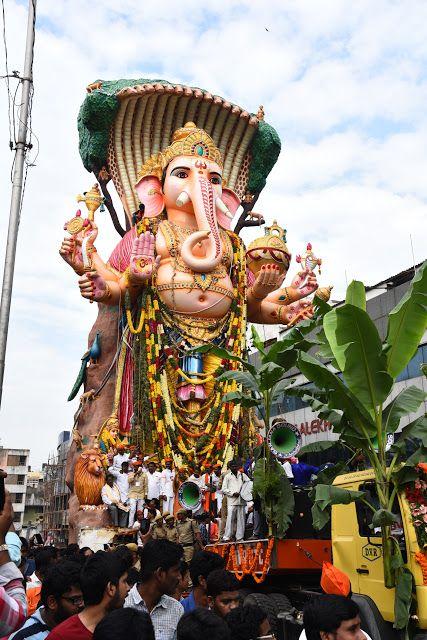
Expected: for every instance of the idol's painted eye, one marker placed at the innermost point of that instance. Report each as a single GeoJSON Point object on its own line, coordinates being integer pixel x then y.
{"type": "Point", "coordinates": [216, 178]}
{"type": "Point", "coordinates": [180, 172]}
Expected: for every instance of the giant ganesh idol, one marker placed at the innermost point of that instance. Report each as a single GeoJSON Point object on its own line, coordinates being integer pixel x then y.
{"type": "Point", "coordinates": [182, 161]}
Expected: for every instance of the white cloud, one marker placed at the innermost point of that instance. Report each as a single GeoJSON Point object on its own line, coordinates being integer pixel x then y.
{"type": "Point", "coordinates": [344, 84]}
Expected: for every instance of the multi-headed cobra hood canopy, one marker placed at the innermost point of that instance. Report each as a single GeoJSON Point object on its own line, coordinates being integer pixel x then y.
{"type": "Point", "coordinates": [123, 123]}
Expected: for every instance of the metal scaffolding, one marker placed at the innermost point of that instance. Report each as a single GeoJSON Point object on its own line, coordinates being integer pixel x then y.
{"type": "Point", "coordinates": [56, 495]}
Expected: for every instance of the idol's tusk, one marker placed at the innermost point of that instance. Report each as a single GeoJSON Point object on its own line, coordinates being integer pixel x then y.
{"type": "Point", "coordinates": [182, 199]}
{"type": "Point", "coordinates": [223, 208]}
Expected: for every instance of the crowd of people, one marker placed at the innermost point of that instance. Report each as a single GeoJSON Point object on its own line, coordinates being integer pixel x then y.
{"type": "Point", "coordinates": [138, 494]}
{"type": "Point", "coordinates": [150, 594]}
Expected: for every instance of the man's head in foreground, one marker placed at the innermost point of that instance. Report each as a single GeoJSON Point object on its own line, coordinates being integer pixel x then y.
{"type": "Point", "coordinates": [223, 592]}
{"type": "Point", "coordinates": [61, 594]}
{"type": "Point", "coordinates": [202, 623]}
{"type": "Point", "coordinates": [160, 565]}
{"type": "Point", "coordinates": [331, 617]}
{"type": "Point", "coordinates": [103, 580]}
{"type": "Point", "coordinates": [202, 564]}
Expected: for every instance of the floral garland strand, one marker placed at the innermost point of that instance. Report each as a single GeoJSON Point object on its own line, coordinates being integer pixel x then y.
{"type": "Point", "coordinates": [169, 426]}
{"type": "Point", "coordinates": [416, 496]}
{"type": "Point", "coordinates": [248, 561]}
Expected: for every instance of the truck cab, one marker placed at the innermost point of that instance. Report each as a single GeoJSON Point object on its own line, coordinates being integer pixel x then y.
{"type": "Point", "coordinates": [357, 549]}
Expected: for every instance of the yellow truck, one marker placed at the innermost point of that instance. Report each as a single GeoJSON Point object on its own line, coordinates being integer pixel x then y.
{"type": "Point", "coordinates": [295, 563]}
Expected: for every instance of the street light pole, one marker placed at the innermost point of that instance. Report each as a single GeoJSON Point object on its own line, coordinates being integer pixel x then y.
{"type": "Point", "coordinates": [16, 197]}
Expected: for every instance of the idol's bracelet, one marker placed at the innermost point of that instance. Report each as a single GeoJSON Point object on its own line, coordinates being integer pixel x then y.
{"type": "Point", "coordinates": [288, 295]}
{"type": "Point", "coordinates": [251, 292]}
{"type": "Point", "coordinates": [106, 295]}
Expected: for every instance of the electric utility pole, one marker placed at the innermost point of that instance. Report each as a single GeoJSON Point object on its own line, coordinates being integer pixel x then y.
{"type": "Point", "coordinates": [16, 197]}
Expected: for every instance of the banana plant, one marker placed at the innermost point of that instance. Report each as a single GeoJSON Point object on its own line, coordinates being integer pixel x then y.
{"type": "Point", "coordinates": [362, 409]}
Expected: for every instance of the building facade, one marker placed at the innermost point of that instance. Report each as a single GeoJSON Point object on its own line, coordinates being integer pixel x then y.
{"type": "Point", "coordinates": [56, 494]}
{"type": "Point", "coordinates": [34, 500]}
{"type": "Point", "coordinates": [15, 463]}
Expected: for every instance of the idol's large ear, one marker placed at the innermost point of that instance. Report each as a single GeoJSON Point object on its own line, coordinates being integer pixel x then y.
{"type": "Point", "coordinates": [232, 202]}
{"type": "Point", "coordinates": [150, 193]}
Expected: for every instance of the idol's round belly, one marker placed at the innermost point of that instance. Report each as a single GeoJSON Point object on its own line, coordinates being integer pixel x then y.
{"type": "Point", "coordinates": [193, 301]}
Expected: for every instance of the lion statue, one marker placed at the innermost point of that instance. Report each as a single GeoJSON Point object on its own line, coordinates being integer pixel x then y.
{"type": "Point", "coordinates": [89, 478]}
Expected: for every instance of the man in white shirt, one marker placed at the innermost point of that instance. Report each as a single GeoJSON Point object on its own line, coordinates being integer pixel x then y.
{"type": "Point", "coordinates": [110, 495]}
{"type": "Point", "coordinates": [167, 477]}
{"type": "Point", "coordinates": [153, 478]}
{"type": "Point", "coordinates": [120, 457]}
{"type": "Point", "coordinates": [200, 481]}
{"type": "Point", "coordinates": [288, 468]}
{"type": "Point", "coordinates": [232, 487]}
{"type": "Point", "coordinates": [160, 562]}
{"type": "Point", "coordinates": [332, 616]}
{"type": "Point", "coordinates": [122, 482]}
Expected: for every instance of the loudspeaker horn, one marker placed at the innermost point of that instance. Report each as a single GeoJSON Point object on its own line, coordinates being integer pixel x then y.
{"type": "Point", "coordinates": [189, 495]}
{"type": "Point", "coordinates": [284, 439]}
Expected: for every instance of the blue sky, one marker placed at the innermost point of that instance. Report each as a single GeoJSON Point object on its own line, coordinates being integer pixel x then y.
{"type": "Point", "coordinates": [343, 83]}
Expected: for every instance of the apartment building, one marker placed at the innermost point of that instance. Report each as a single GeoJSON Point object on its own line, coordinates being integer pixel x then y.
{"type": "Point", "coordinates": [15, 463]}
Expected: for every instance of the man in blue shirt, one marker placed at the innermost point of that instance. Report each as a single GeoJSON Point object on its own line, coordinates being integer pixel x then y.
{"type": "Point", "coordinates": [202, 564]}
{"type": "Point", "coordinates": [303, 472]}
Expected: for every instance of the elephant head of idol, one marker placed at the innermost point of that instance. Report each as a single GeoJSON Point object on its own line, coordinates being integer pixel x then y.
{"type": "Point", "coordinates": [187, 178]}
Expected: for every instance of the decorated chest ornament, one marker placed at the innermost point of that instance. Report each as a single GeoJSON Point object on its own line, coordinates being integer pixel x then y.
{"type": "Point", "coordinates": [189, 140]}
{"type": "Point", "coordinates": [269, 249]}
{"type": "Point", "coordinates": [308, 260]}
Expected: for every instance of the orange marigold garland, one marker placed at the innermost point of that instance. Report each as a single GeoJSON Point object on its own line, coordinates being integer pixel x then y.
{"type": "Point", "coordinates": [266, 565]}
{"type": "Point", "coordinates": [421, 558]}
{"type": "Point", "coordinates": [248, 560]}
{"type": "Point", "coordinates": [175, 432]}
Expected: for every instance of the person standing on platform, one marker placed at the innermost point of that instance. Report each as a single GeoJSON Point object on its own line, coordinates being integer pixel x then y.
{"type": "Point", "coordinates": [153, 479]}
{"type": "Point", "coordinates": [232, 487]}
{"type": "Point", "coordinates": [216, 497]}
{"type": "Point", "coordinates": [200, 481]}
{"type": "Point", "coordinates": [121, 456]}
{"type": "Point", "coordinates": [138, 487]}
{"type": "Point", "coordinates": [167, 478]}
{"type": "Point", "coordinates": [122, 481]}
{"type": "Point", "coordinates": [188, 534]}
{"type": "Point", "coordinates": [110, 495]}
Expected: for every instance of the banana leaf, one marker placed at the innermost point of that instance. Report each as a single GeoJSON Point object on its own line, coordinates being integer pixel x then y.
{"type": "Point", "coordinates": [340, 397]}
{"type": "Point", "coordinates": [408, 401]}
{"type": "Point", "coordinates": [406, 324]}
{"type": "Point", "coordinates": [256, 340]}
{"type": "Point", "coordinates": [415, 429]}
{"type": "Point", "coordinates": [403, 599]}
{"type": "Point", "coordinates": [273, 488]}
{"type": "Point", "coordinates": [316, 447]}
{"type": "Point", "coordinates": [245, 379]}
{"type": "Point", "coordinates": [357, 348]}
{"type": "Point", "coordinates": [240, 398]}
{"type": "Point", "coordinates": [356, 294]}
{"type": "Point", "coordinates": [324, 497]}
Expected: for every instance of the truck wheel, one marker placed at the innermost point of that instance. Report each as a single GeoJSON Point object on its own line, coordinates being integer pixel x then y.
{"type": "Point", "coordinates": [267, 605]}
{"type": "Point", "coordinates": [281, 602]}
{"type": "Point", "coordinates": [372, 620]}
